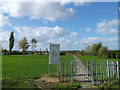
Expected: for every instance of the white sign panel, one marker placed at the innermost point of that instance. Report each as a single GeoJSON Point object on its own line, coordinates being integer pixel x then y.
{"type": "Point", "coordinates": [54, 55]}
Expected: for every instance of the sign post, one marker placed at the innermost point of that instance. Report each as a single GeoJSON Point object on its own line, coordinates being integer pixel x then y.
{"type": "Point", "coordinates": [54, 55]}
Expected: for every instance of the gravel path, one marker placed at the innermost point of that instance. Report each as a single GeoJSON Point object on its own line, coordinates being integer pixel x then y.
{"type": "Point", "coordinates": [81, 69]}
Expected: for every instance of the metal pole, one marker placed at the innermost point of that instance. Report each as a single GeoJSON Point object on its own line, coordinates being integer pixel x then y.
{"type": "Point", "coordinates": [108, 69]}
{"type": "Point", "coordinates": [65, 70]}
{"type": "Point", "coordinates": [92, 66]}
{"type": "Point", "coordinates": [49, 69]}
{"type": "Point", "coordinates": [71, 72]}
{"type": "Point", "coordinates": [57, 69]}
{"type": "Point", "coordinates": [117, 67]}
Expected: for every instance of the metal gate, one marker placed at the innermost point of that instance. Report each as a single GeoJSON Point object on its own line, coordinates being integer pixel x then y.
{"type": "Point", "coordinates": [102, 70]}
{"type": "Point", "coordinates": [67, 70]}
{"type": "Point", "coordinates": [94, 72]}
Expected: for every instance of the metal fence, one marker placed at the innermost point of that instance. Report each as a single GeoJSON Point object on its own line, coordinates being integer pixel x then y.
{"type": "Point", "coordinates": [97, 71]}
{"type": "Point", "coordinates": [102, 70]}
{"type": "Point", "coordinates": [67, 70]}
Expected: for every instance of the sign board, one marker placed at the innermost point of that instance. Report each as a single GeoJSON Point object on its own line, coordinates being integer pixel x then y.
{"type": "Point", "coordinates": [54, 54]}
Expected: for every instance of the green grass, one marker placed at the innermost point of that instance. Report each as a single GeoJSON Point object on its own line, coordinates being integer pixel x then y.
{"type": "Point", "coordinates": [17, 69]}
{"type": "Point", "coordinates": [30, 66]}
{"type": "Point", "coordinates": [94, 58]}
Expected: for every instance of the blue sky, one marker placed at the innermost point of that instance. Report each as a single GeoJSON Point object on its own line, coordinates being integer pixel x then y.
{"type": "Point", "coordinates": [73, 25]}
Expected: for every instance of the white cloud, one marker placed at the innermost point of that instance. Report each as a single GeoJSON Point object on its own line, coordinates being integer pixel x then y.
{"type": "Point", "coordinates": [87, 40]}
{"type": "Point", "coordinates": [88, 29]}
{"type": "Point", "coordinates": [75, 3]}
{"type": "Point", "coordinates": [44, 36]}
{"type": "Point", "coordinates": [40, 33]}
{"type": "Point", "coordinates": [61, 0]}
{"type": "Point", "coordinates": [83, 43]}
{"type": "Point", "coordinates": [48, 11]}
{"type": "Point", "coordinates": [81, 3]}
{"type": "Point", "coordinates": [4, 35]}
{"type": "Point", "coordinates": [73, 34]}
{"type": "Point", "coordinates": [107, 27]}
{"type": "Point", "coordinates": [4, 20]}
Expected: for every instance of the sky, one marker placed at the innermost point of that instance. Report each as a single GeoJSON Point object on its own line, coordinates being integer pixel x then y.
{"type": "Point", "coordinates": [74, 25]}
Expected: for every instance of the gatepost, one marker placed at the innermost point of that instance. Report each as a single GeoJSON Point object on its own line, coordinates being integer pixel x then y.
{"type": "Point", "coordinates": [54, 57]}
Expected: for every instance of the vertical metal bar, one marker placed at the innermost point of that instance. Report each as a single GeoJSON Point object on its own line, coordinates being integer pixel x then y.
{"type": "Point", "coordinates": [113, 69]}
{"type": "Point", "coordinates": [110, 65]}
{"type": "Point", "coordinates": [65, 70]}
{"type": "Point", "coordinates": [117, 67]}
{"type": "Point", "coordinates": [87, 67]}
{"type": "Point", "coordinates": [104, 68]}
{"type": "Point", "coordinates": [92, 66]}
{"type": "Point", "coordinates": [100, 72]}
{"type": "Point", "coordinates": [71, 71]}
{"type": "Point", "coordinates": [108, 72]}
{"type": "Point", "coordinates": [57, 69]}
{"type": "Point", "coordinates": [61, 71]}
{"type": "Point", "coordinates": [110, 69]}
{"type": "Point", "coordinates": [49, 69]}
{"type": "Point", "coordinates": [96, 66]}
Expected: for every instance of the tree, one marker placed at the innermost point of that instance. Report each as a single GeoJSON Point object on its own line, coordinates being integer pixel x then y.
{"type": "Point", "coordinates": [117, 54]}
{"type": "Point", "coordinates": [11, 41]}
{"type": "Point", "coordinates": [46, 50]}
{"type": "Point", "coordinates": [95, 48]}
{"type": "Point", "coordinates": [88, 49]}
{"type": "Point", "coordinates": [40, 51]}
{"type": "Point", "coordinates": [82, 52]}
{"type": "Point", "coordinates": [103, 51]}
{"type": "Point", "coordinates": [33, 44]}
{"type": "Point", "coordinates": [23, 44]}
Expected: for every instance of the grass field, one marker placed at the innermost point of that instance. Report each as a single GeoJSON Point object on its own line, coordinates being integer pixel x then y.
{"type": "Point", "coordinates": [94, 58]}
{"type": "Point", "coordinates": [29, 66]}
{"type": "Point", "coordinates": [17, 69]}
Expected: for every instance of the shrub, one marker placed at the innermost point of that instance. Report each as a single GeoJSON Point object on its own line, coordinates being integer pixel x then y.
{"type": "Point", "coordinates": [109, 83]}
{"type": "Point", "coordinates": [117, 54]}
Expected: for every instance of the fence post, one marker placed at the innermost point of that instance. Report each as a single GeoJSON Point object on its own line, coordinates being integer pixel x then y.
{"type": "Point", "coordinates": [49, 69]}
{"type": "Point", "coordinates": [87, 68]}
{"type": "Point", "coordinates": [108, 74]}
{"type": "Point", "coordinates": [117, 67]}
{"type": "Point", "coordinates": [92, 67]}
{"type": "Point", "coordinates": [60, 71]}
{"type": "Point", "coordinates": [71, 72]}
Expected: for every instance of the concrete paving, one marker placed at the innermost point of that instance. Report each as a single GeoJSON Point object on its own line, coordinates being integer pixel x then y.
{"type": "Point", "coordinates": [81, 70]}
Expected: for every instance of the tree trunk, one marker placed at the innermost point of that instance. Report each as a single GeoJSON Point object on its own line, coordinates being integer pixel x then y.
{"type": "Point", "coordinates": [23, 52]}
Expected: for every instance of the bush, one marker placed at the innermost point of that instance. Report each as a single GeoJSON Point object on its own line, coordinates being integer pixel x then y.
{"type": "Point", "coordinates": [109, 83]}
{"type": "Point", "coordinates": [114, 54]}
{"type": "Point", "coordinates": [117, 54]}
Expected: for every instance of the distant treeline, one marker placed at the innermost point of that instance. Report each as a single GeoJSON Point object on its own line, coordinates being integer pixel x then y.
{"type": "Point", "coordinates": [93, 50]}
{"type": "Point", "coordinates": [6, 52]}
{"type": "Point", "coordinates": [108, 54]}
